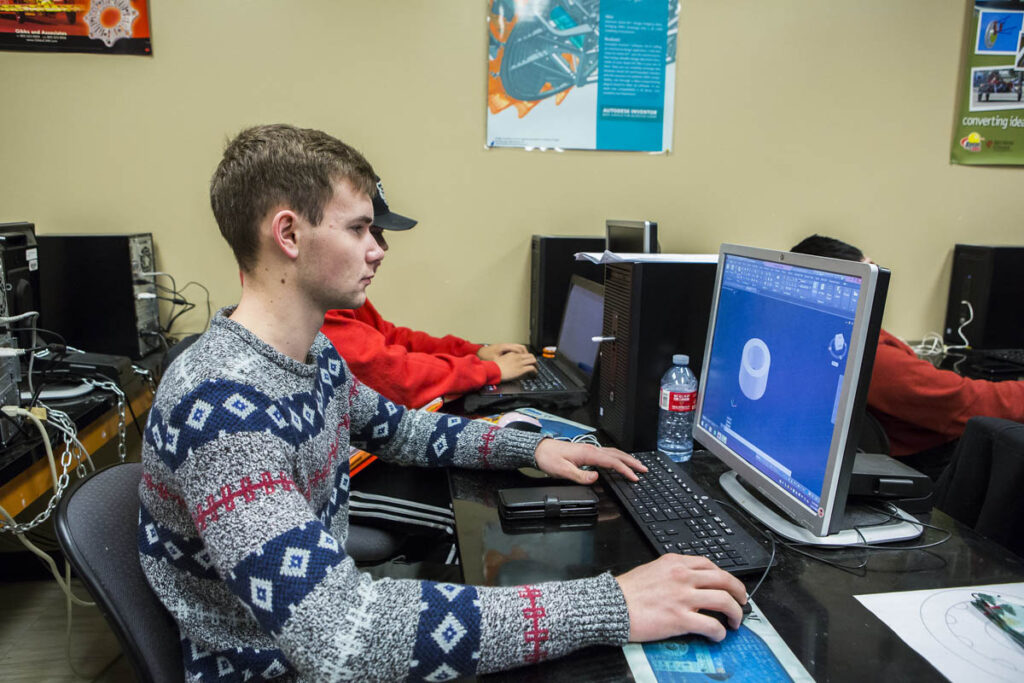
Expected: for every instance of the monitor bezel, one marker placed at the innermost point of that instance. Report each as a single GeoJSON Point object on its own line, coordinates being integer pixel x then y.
{"type": "Point", "coordinates": [649, 229]}
{"type": "Point", "coordinates": [844, 436]}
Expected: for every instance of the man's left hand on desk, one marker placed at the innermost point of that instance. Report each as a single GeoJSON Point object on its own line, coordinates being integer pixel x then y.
{"type": "Point", "coordinates": [563, 459]}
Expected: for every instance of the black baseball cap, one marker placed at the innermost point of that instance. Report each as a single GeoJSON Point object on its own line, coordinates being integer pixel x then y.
{"type": "Point", "coordinates": [384, 217]}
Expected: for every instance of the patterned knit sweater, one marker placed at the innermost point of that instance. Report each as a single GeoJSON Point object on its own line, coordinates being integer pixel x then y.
{"type": "Point", "coordinates": [244, 518]}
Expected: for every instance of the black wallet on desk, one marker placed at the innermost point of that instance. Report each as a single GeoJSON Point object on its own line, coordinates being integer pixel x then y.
{"type": "Point", "coordinates": [552, 502]}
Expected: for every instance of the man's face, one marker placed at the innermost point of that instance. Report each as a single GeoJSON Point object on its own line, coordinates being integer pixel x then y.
{"type": "Point", "coordinates": [339, 257]}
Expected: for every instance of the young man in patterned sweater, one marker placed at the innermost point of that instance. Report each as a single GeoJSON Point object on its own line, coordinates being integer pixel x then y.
{"type": "Point", "coordinates": [244, 495]}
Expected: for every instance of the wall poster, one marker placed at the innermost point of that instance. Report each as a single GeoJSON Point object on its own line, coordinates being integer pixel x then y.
{"type": "Point", "coordinates": [100, 26]}
{"type": "Point", "coordinates": [990, 123]}
{"type": "Point", "coordinates": [581, 74]}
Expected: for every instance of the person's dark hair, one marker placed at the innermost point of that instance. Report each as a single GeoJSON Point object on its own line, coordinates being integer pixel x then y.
{"type": "Point", "coordinates": [819, 245]}
{"type": "Point", "coordinates": [273, 165]}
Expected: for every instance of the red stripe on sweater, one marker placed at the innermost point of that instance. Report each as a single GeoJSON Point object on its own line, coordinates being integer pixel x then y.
{"type": "Point", "coordinates": [534, 636]}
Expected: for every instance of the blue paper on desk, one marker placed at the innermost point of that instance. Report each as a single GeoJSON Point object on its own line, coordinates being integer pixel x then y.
{"type": "Point", "coordinates": [754, 652]}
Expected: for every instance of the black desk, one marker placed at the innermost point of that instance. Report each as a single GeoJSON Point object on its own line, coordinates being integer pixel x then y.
{"type": "Point", "coordinates": [810, 604]}
{"type": "Point", "coordinates": [976, 366]}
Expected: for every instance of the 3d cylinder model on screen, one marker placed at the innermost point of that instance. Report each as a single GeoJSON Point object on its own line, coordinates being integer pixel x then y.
{"type": "Point", "coordinates": [755, 362]}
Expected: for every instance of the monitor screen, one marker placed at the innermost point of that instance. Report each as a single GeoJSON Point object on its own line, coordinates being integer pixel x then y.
{"type": "Point", "coordinates": [584, 316]}
{"type": "Point", "coordinates": [781, 372]}
{"type": "Point", "coordinates": [631, 237]}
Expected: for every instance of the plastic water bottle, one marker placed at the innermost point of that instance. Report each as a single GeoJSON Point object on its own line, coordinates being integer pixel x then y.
{"type": "Point", "coordinates": [676, 406]}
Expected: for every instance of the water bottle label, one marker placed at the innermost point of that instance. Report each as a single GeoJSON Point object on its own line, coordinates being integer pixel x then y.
{"type": "Point", "coordinates": [678, 401]}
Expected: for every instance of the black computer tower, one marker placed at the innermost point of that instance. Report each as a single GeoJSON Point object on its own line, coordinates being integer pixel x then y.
{"type": "Point", "coordinates": [992, 280]}
{"type": "Point", "coordinates": [19, 277]}
{"type": "Point", "coordinates": [552, 265]}
{"type": "Point", "coordinates": [94, 293]}
{"type": "Point", "coordinates": [651, 311]}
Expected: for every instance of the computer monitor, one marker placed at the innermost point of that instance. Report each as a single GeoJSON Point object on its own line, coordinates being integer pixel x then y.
{"type": "Point", "coordinates": [581, 323]}
{"type": "Point", "coordinates": [787, 363]}
{"type": "Point", "coordinates": [631, 237]}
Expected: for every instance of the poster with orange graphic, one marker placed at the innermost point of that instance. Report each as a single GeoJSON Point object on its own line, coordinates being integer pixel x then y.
{"type": "Point", "coordinates": [581, 74]}
{"type": "Point", "coordinates": [99, 26]}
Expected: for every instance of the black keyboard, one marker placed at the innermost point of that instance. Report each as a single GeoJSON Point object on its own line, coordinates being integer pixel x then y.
{"type": "Point", "coordinates": [545, 380]}
{"type": "Point", "coordinates": [1015, 356]}
{"type": "Point", "coordinates": [677, 516]}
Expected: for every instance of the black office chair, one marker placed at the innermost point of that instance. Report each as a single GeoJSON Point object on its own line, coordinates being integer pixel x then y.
{"type": "Point", "coordinates": [176, 350]}
{"type": "Point", "coordinates": [981, 487]}
{"type": "Point", "coordinates": [97, 523]}
{"type": "Point", "coordinates": [873, 438]}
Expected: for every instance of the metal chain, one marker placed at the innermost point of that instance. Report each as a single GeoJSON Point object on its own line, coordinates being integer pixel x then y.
{"type": "Point", "coordinates": [121, 421]}
{"type": "Point", "coordinates": [147, 377]}
{"type": "Point", "coordinates": [62, 484]}
{"type": "Point", "coordinates": [71, 449]}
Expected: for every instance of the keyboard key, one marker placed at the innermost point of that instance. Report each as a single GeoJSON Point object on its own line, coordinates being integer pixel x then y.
{"type": "Point", "coordinates": [679, 517]}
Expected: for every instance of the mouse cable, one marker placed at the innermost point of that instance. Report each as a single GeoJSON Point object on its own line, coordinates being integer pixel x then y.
{"type": "Point", "coordinates": [770, 537]}
{"type": "Point", "coordinates": [799, 548]}
{"type": "Point", "coordinates": [586, 438]}
{"type": "Point", "coordinates": [775, 538]}
{"type": "Point", "coordinates": [589, 439]}
{"type": "Point", "coordinates": [890, 512]}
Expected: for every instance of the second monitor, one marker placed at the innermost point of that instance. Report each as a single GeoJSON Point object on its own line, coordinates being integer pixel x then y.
{"type": "Point", "coordinates": [631, 237]}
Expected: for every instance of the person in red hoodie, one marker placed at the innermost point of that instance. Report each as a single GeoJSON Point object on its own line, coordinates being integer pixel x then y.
{"type": "Point", "coordinates": [922, 409]}
{"type": "Point", "coordinates": [411, 367]}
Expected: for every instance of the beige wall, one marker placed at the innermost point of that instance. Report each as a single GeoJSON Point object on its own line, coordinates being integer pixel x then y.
{"type": "Point", "coordinates": [791, 117]}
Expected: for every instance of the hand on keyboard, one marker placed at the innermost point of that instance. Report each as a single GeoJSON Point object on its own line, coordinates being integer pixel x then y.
{"type": "Point", "coordinates": [494, 351]}
{"type": "Point", "coordinates": [516, 365]}
{"type": "Point", "coordinates": [564, 459]}
{"type": "Point", "coordinates": [663, 598]}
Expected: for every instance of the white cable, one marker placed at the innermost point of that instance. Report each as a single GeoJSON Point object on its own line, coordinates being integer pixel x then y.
{"type": "Point", "coordinates": [11, 411]}
{"type": "Point", "coordinates": [7, 320]}
{"type": "Point", "coordinates": [931, 344]}
{"type": "Point", "coordinates": [960, 330]}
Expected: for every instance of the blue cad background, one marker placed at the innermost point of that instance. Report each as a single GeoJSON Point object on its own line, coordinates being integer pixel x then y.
{"type": "Point", "coordinates": [792, 421]}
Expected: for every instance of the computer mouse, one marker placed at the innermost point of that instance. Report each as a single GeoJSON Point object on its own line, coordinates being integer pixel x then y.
{"type": "Point", "coordinates": [721, 616]}
{"type": "Point", "coordinates": [514, 420]}
{"type": "Point", "coordinates": [522, 425]}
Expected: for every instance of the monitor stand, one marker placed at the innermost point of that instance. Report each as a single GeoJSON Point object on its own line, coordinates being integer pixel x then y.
{"type": "Point", "coordinates": [869, 530]}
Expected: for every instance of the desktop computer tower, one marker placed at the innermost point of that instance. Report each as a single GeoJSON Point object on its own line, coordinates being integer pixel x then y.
{"type": "Point", "coordinates": [94, 295]}
{"type": "Point", "coordinates": [19, 276]}
{"type": "Point", "coordinates": [651, 311]}
{"type": "Point", "coordinates": [552, 265]}
{"type": "Point", "coordinates": [992, 280]}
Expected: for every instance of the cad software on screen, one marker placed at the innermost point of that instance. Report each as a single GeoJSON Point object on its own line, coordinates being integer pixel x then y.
{"type": "Point", "coordinates": [776, 367]}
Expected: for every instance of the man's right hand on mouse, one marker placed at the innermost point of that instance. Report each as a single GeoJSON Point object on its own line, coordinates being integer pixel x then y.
{"type": "Point", "coordinates": [516, 365]}
{"type": "Point", "coordinates": [663, 598]}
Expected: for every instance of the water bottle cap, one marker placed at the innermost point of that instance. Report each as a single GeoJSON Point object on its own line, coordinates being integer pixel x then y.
{"type": "Point", "coordinates": [680, 359]}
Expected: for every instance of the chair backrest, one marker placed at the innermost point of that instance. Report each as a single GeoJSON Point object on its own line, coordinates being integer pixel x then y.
{"type": "Point", "coordinates": [873, 438]}
{"type": "Point", "coordinates": [97, 524]}
{"type": "Point", "coordinates": [981, 487]}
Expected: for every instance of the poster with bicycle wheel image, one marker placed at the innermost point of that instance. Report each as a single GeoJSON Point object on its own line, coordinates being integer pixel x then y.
{"type": "Point", "coordinates": [581, 74]}
{"type": "Point", "coordinates": [989, 127]}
